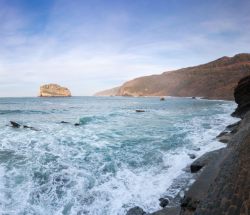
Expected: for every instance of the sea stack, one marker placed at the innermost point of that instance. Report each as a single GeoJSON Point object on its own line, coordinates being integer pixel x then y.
{"type": "Point", "coordinates": [54, 90]}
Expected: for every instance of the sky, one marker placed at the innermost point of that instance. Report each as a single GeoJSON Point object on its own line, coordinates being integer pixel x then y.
{"type": "Point", "coordinates": [91, 45]}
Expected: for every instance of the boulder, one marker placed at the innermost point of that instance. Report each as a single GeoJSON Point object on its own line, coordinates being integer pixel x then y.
{"type": "Point", "coordinates": [54, 90]}
{"type": "Point", "coordinates": [162, 98]}
{"type": "Point", "coordinates": [242, 97]}
{"type": "Point", "coordinates": [136, 211]}
{"type": "Point", "coordinates": [163, 202]}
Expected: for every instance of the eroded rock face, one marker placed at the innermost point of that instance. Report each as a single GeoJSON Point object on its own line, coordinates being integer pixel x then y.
{"type": "Point", "coordinates": [242, 97]}
{"type": "Point", "coordinates": [214, 80]}
{"type": "Point", "coordinates": [54, 90]}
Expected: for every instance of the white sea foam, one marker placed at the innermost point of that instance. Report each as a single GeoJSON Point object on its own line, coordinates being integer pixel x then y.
{"type": "Point", "coordinates": [117, 160]}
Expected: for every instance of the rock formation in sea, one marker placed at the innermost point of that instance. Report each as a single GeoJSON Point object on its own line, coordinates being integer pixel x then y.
{"type": "Point", "coordinates": [214, 80]}
{"type": "Point", "coordinates": [54, 90]}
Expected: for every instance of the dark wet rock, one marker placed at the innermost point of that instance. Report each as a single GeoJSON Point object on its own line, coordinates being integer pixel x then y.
{"type": "Point", "coordinates": [233, 126]}
{"type": "Point", "coordinates": [168, 211]}
{"type": "Point", "coordinates": [193, 97]}
{"type": "Point", "coordinates": [140, 111]}
{"type": "Point", "coordinates": [189, 203]}
{"type": "Point", "coordinates": [204, 160]}
{"type": "Point", "coordinates": [64, 122]}
{"type": "Point", "coordinates": [163, 202]}
{"type": "Point", "coordinates": [31, 128]}
{"type": "Point", "coordinates": [77, 124]}
{"type": "Point", "coordinates": [192, 156]}
{"type": "Point", "coordinates": [15, 124]}
{"type": "Point", "coordinates": [242, 97]}
{"type": "Point", "coordinates": [136, 211]}
{"type": "Point", "coordinates": [162, 99]}
{"type": "Point", "coordinates": [224, 137]}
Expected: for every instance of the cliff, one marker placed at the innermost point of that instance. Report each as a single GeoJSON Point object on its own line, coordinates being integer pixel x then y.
{"type": "Point", "coordinates": [214, 80]}
{"type": "Point", "coordinates": [54, 90]}
{"type": "Point", "coordinates": [222, 183]}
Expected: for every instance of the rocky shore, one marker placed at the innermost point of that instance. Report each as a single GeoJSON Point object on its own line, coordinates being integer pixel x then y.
{"type": "Point", "coordinates": [222, 186]}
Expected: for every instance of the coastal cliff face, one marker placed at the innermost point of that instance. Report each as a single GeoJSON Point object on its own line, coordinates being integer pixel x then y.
{"type": "Point", "coordinates": [228, 189]}
{"type": "Point", "coordinates": [214, 80]}
{"type": "Point", "coordinates": [54, 90]}
{"type": "Point", "coordinates": [242, 97]}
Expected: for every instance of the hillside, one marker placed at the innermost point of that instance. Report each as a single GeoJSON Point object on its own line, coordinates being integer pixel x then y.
{"type": "Point", "coordinates": [109, 92]}
{"type": "Point", "coordinates": [214, 80]}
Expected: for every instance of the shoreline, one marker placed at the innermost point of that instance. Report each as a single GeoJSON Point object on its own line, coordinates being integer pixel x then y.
{"type": "Point", "coordinates": [222, 184]}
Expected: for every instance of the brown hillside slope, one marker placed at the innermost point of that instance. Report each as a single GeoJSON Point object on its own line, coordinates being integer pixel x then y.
{"type": "Point", "coordinates": [109, 92]}
{"type": "Point", "coordinates": [214, 80]}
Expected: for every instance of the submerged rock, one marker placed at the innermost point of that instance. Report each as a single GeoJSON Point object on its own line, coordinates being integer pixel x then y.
{"type": "Point", "coordinates": [162, 98]}
{"type": "Point", "coordinates": [136, 211]}
{"type": "Point", "coordinates": [54, 90]}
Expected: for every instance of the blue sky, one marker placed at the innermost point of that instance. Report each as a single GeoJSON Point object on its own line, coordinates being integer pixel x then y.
{"type": "Point", "coordinates": [90, 45]}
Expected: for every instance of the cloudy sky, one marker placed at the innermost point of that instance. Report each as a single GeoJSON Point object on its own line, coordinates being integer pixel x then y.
{"type": "Point", "coordinates": [90, 45]}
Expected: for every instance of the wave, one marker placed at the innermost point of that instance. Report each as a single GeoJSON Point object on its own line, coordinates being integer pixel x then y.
{"type": "Point", "coordinates": [5, 112]}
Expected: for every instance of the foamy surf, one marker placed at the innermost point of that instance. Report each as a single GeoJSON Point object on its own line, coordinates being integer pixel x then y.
{"type": "Point", "coordinates": [114, 160]}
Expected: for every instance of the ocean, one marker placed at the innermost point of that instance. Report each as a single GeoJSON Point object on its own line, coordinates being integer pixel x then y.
{"type": "Point", "coordinates": [113, 160]}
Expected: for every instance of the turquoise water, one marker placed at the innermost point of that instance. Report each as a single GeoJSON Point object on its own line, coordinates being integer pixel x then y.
{"type": "Point", "coordinates": [114, 160]}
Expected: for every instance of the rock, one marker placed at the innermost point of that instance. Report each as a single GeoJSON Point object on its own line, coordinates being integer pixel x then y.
{"type": "Point", "coordinates": [77, 124]}
{"type": "Point", "coordinates": [192, 156]}
{"type": "Point", "coordinates": [168, 211]}
{"type": "Point", "coordinates": [193, 97]}
{"type": "Point", "coordinates": [64, 122]}
{"type": "Point", "coordinates": [189, 203]}
{"type": "Point", "coordinates": [197, 149]}
{"type": "Point", "coordinates": [224, 137]}
{"type": "Point", "coordinates": [204, 160]}
{"type": "Point", "coordinates": [162, 99]}
{"type": "Point", "coordinates": [31, 128]}
{"type": "Point", "coordinates": [136, 211]}
{"type": "Point", "coordinates": [140, 111]}
{"type": "Point", "coordinates": [233, 126]}
{"type": "Point", "coordinates": [163, 202]}
{"type": "Point", "coordinates": [54, 90]}
{"type": "Point", "coordinates": [15, 124]}
{"type": "Point", "coordinates": [242, 97]}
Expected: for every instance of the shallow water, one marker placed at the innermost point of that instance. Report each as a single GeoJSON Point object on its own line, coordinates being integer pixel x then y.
{"type": "Point", "coordinates": [114, 160]}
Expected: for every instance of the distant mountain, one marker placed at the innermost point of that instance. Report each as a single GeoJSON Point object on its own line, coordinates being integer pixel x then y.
{"type": "Point", "coordinates": [214, 80]}
{"type": "Point", "coordinates": [109, 92]}
{"type": "Point", "coordinates": [54, 90]}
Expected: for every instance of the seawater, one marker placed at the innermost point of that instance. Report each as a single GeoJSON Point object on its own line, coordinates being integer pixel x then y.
{"type": "Point", "coordinates": [114, 160]}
